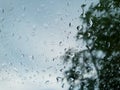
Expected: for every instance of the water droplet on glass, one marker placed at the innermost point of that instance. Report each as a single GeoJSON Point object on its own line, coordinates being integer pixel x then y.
{"type": "Point", "coordinates": [59, 79]}
{"type": "Point", "coordinates": [32, 57]}
{"type": "Point", "coordinates": [3, 10]}
{"type": "Point", "coordinates": [60, 43]}
{"type": "Point", "coordinates": [24, 8]}
{"type": "Point", "coordinates": [69, 24]}
{"type": "Point", "coordinates": [47, 81]}
{"type": "Point", "coordinates": [78, 27]}
{"type": "Point", "coordinates": [63, 85]}
{"type": "Point", "coordinates": [61, 70]}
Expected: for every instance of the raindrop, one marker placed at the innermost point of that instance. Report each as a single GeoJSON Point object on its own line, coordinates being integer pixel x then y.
{"type": "Point", "coordinates": [111, 26]}
{"type": "Point", "coordinates": [69, 32]}
{"type": "Point", "coordinates": [63, 85]}
{"type": "Point", "coordinates": [23, 55]}
{"type": "Point", "coordinates": [78, 72]}
{"type": "Point", "coordinates": [71, 80]}
{"type": "Point", "coordinates": [50, 75]}
{"type": "Point", "coordinates": [60, 43]}
{"type": "Point", "coordinates": [88, 34]}
{"type": "Point", "coordinates": [67, 73]}
{"type": "Point", "coordinates": [19, 37]}
{"type": "Point", "coordinates": [69, 24]}
{"type": "Point", "coordinates": [52, 50]}
{"type": "Point", "coordinates": [71, 87]}
{"type": "Point", "coordinates": [26, 70]}
{"type": "Point", "coordinates": [67, 37]}
{"type": "Point", "coordinates": [83, 5]}
{"type": "Point", "coordinates": [43, 71]}
{"type": "Point", "coordinates": [3, 10]}
{"type": "Point", "coordinates": [24, 8]}
{"type": "Point", "coordinates": [65, 49]}
{"type": "Point", "coordinates": [47, 81]}
{"type": "Point", "coordinates": [64, 67]}
{"type": "Point", "coordinates": [68, 3]}
{"type": "Point", "coordinates": [53, 59]}
{"type": "Point", "coordinates": [21, 63]}
{"type": "Point", "coordinates": [10, 64]}
{"type": "Point", "coordinates": [61, 70]}
{"type": "Point", "coordinates": [78, 27]}
{"type": "Point", "coordinates": [15, 69]}
{"type": "Point", "coordinates": [59, 79]}
{"type": "Point", "coordinates": [32, 57]}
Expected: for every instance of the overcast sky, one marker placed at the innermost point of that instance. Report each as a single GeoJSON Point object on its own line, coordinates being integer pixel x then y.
{"type": "Point", "coordinates": [32, 33]}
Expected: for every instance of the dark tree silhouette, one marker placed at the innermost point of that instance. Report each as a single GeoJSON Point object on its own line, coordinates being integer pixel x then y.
{"type": "Point", "coordinates": [96, 67]}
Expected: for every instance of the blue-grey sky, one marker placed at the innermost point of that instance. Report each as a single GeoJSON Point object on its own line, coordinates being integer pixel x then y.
{"type": "Point", "coordinates": [32, 33]}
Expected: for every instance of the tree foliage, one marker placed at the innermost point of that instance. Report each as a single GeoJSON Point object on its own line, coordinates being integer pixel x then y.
{"type": "Point", "coordinates": [96, 67]}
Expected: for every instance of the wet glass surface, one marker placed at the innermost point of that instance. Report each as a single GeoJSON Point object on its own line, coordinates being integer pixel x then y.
{"type": "Point", "coordinates": [33, 35]}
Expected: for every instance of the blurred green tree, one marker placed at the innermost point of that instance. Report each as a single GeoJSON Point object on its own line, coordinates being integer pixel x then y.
{"type": "Point", "coordinates": [96, 67]}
